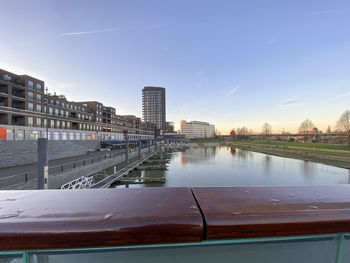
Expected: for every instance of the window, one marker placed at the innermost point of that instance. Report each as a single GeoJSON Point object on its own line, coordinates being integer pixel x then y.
{"type": "Point", "coordinates": [30, 84]}
{"type": "Point", "coordinates": [6, 77]}
{"type": "Point", "coordinates": [38, 108]}
{"type": "Point", "coordinates": [45, 122]}
{"type": "Point", "coordinates": [30, 106]}
{"type": "Point", "coordinates": [58, 124]}
{"type": "Point", "coordinates": [30, 121]}
{"type": "Point", "coordinates": [38, 122]}
{"type": "Point", "coordinates": [45, 109]}
{"type": "Point", "coordinates": [67, 114]}
{"type": "Point", "coordinates": [68, 125]}
{"type": "Point", "coordinates": [30, 95]}
{"type": "Point", "coordinates": [38, 97]}
{"type": "Point", "coordinates": [62, 113]}
{"type": "Point", "coordinates": [38, 87]}
{"type": "Point", "coordinates": [50, 111]}
{"type": "Point", "coordinates": [56, 112]}
{"type": "Point", "coordinates": [63, 124]}
{"type": "Point", "coordinates": [52, 124]}
{"type": "Point", "coordinates": [63, 104]}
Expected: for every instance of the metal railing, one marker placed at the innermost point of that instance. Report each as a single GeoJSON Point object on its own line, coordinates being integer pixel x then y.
{"type": "Point", "coordinates": [55, 170]}
{"type": "Point", "coordinates": [79, 183]}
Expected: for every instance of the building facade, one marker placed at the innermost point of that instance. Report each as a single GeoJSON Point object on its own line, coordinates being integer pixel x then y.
{"type": "Point", "coordinates": [197, 129]}
{"type": "Point", "coordinates": [153, 107]}
{"type": "Point", "coordinates": [170, 126]}
{"type": "Point", "coordinates": [22, 103]}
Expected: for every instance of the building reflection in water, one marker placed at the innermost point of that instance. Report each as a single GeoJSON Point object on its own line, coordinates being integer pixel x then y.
{"type": "Point", "coordinates": [244, 154]}
{"type": "Point", "coordinates": [197, 155]}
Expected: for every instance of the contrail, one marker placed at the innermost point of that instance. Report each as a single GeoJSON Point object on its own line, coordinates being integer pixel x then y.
{"type": "Point", "coordinates": [90, 32]}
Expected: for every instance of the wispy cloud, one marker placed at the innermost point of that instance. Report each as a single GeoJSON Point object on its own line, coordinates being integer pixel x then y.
{"type": "Point", "coordinates": [232, 91]}
{"type": "Point", "coordinates": [288, 102]}
{"type": "Point", "coordinates": [91, 32]}
{"type": "Point", "coordinates": [331, 11]}
{"type": "Point", "coordinates": [341, 96]}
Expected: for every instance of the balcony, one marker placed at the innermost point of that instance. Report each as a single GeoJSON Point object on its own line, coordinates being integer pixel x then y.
{"type": "Point", "coordinates": [18, 93]}
{"type": "Point", "coordinates": [3, 118]}
{"type": "Point", "coordinates": [3, 89]}
{"type": "Point", "coordinates": [18, 104]}
{"type": "Point", "coordinates": [3, 102]}
{"type": "Point", "coordinates": [18, 120]}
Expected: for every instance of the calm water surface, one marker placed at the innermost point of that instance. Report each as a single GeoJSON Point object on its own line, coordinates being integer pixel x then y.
{"type": "Point", "coordinates": [225, 166]}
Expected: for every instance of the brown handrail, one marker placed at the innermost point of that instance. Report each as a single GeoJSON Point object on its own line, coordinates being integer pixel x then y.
{"type": "Point", "coordinates": [55, 219]}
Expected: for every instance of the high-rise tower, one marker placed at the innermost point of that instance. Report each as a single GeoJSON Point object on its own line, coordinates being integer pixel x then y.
{"type": "Point", "coordinates": [153, 107]}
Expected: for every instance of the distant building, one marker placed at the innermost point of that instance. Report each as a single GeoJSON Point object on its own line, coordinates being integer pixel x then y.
{"type": "Point", "coordinates": [153, 107]}
{"type": "Point", "coordinates": [22, 104]}
{"type": "Point", "coordinates": [197, 129]}
{"type": "Point", "coordinates": [169, 126]}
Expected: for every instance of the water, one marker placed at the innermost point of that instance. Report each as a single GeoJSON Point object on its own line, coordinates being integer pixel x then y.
{"type": "Point", "coordinates": [225, 166]}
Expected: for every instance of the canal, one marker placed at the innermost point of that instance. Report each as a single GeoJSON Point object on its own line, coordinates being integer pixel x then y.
{"type": "Point", "coordinates": [225, 166]}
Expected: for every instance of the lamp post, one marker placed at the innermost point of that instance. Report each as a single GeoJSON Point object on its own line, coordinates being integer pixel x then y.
{"type": "Point", "coordinates": [47, 112]}
{"type": "Point", "coordinates": [43, 162]}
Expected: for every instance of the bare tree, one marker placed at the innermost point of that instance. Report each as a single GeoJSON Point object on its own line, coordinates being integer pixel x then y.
{"type": "Point", "coordinates": [305, 128]}
{"type": "Point", "coordinates": [344, 124]}
{"type": "Point", "coordinates": [266, 129]}
{"type": "Point", "coordinates": [243, 131]}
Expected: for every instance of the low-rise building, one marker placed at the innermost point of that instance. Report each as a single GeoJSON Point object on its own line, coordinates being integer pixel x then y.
{"type": "Point", "coordinates": [197, 129]}
{"type": "Point", "coordinates": [22, 103]}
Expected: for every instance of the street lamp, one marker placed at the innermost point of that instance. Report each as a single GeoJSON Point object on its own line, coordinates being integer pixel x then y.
{"type": "Point", "coordinates": [47, 112]}
{"type": "Point", "coordinates": [42, 160]}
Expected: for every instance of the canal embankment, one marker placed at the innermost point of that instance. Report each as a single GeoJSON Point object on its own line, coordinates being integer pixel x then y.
{"type": "Point", "coordinates": [57, 180]}
{"type": "Point", "coordinates": [335, 155]}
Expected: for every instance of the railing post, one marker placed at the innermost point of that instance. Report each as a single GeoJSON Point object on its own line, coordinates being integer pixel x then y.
{"type": "Point", "coordinates": [149, 146]}
{"type": "Point", "coordinates": [43, 163]}
{"type": "Point", "coordinates": [26, 178]}
{"type": "Point", "coordinates": [126, 150]}
{"type": "Point", "coordinates": [139, 149]}
{"type": "Point", "coordinates": [84, 162]}
{"type": "Point", "coordinates": [62, 168]}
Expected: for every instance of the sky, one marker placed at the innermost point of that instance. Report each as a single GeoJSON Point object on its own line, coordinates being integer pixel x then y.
{"type": "Point", "coordinates": [230, 63]}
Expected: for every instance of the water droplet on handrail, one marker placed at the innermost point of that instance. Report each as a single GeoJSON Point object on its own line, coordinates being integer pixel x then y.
{"type": "Point", "coordinates": [312, 207]}
{"type": "Point", "coordinates": [236, 213]}
{"type": "Point", "coordinates": [108, 216]}
{"type": "Point", "coordinates": [274, 200]}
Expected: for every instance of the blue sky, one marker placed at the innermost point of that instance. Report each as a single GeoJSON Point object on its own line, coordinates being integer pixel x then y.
{"type": "Point", "coordinates": [231, 63]}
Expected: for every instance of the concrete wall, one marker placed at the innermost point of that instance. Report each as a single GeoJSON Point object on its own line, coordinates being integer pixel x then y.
{"type": "Point", "coordinates": [56, 181]}
{"type": "Point", "coordinates": [14, 153]}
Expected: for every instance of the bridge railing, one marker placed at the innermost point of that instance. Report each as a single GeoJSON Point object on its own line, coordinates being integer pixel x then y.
{"type": "Point", "coordinates": [181, 224]}
{"type": "Point", "coordinates": [20, 178]}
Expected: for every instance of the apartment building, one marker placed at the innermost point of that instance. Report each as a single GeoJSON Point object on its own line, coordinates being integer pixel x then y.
{"type": "Point", "coordinates": [153, 107]}
{"type": "Point", "coordinates": [22, 103]}
{"type": "Point", "coordinates": [197, 129]}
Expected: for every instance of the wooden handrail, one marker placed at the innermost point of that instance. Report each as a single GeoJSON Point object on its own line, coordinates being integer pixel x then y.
{"type": "Point", "coordinates": [56, 219]}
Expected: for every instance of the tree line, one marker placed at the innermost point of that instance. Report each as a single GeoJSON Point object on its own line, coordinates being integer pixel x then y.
{"type": "Point", "coordinates": [306, 128]}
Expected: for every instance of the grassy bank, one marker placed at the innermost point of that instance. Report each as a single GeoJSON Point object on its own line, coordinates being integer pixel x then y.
{"type": "Point", "coordinates": [331, 154]}
{"type": "Point", "coordinates": [216, 139]}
